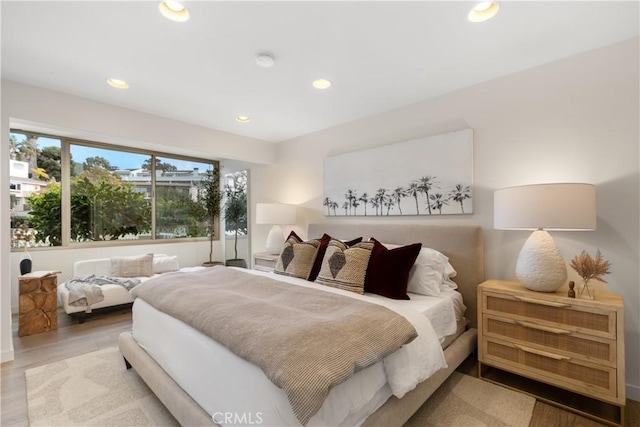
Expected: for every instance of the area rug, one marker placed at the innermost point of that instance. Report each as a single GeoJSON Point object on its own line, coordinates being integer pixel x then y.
{"type": "Point", "coordinates": [465, 401]}
{"type": "Point", "coordinates": [93, 389]}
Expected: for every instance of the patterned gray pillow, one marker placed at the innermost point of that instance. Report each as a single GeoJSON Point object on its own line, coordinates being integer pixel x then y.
{"type": "Point", "coordinates": [345, 267]}
{"type": "Point", "coordinates": [297, 257]}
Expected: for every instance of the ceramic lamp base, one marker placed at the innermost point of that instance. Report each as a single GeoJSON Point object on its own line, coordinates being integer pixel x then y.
{"type": "Point", "coordinates": [540, 267]}
{"type": "Point", "coordinates": [275, 240]}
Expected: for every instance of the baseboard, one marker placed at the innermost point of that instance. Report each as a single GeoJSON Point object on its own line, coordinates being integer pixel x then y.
{"type": "Point", "coordinates": [7, 356]}
{"type": "Point", "coordinates": [632, 392]}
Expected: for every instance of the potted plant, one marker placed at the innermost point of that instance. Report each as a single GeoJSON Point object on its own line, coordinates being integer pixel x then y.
{"type": "Point", "coordinates": [235, 212]}
{"type": "Point", "coordinates": [210, 198]}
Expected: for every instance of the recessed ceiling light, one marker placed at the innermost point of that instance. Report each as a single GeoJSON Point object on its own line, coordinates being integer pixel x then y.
{"type": "Point", "coordinates": [265, 60]}
{"type": "Point", "coordinates": [321, 84]}
{"type": "Point", "coordinates": [174, 10]}
{"type": "Point", "coordinates": [243, 119]}
{"type": "Point", "coordinates": [120, 84]}
{"type": "Point", "coordinates": [483, 11]}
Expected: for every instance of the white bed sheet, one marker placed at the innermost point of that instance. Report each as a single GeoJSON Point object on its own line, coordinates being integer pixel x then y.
{"type": "Point", "coordinates": [223, 383]}
{"type": "Point", "coordinates": [443, 311]}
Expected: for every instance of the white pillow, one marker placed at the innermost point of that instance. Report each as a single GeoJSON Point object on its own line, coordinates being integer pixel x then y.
{"type": "Point", "coordinates": [430, 273]}
{"type": "Point", "coordinates": [165, 264]}
{"type": "Point", "coordinates": [449, 272]}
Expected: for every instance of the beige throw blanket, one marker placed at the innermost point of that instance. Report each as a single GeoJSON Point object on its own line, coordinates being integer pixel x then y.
{"type": "Point", "coordinates": [306, 341]}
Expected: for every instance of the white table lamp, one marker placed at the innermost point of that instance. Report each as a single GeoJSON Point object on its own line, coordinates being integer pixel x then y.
{"type": "Point", "coordinates": [568, 206]}
{"type": "Point", "coordinates": [275, 214]}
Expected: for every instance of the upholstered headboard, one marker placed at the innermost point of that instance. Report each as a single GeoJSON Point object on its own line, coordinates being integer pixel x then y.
{"type": "Point", "coordinates": [461, 243]}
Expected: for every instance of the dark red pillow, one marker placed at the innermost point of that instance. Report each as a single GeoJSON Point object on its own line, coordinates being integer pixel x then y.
{"type": "Point", "coordinates": [353, 242]}
{"type": "Point", "coordinates": [388, 270]}
{"type": "Point", "coordinates": [294, 235]}
{"type": "Point", "coordinates": [322, 249]}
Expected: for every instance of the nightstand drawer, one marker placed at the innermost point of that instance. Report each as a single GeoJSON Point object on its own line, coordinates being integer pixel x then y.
{"type": "Point", "coordinates": [264, 261]}
{"type": "Point", "coordinates": [553, 368]}
{"type": "Point", "coordinates": [555, 339]}
{"type": "Point", "coordinates": [586, 320]}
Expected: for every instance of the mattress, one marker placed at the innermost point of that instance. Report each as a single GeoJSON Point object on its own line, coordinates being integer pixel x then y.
{"type": "Point", "coordinates": [228, 387]}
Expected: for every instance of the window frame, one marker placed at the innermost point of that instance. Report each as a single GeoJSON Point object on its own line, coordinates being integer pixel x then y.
{"type": "Point", "coordinates": [65, 166]}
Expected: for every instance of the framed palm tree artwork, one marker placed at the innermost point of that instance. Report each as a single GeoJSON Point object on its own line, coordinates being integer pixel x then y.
{"type": "Point", "coordinates": [424, 176]}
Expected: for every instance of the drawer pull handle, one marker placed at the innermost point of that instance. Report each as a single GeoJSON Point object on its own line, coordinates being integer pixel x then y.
{"type": "Point", "coordinates": [542, 353]}
{"type": "Point", "coordinates": [542, 328]}
{"type": "Point", "coordinates": [541, 302]}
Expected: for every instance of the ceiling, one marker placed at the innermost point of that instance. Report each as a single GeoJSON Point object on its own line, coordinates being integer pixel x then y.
{"type": "Point", "coordinates": [379, 55]}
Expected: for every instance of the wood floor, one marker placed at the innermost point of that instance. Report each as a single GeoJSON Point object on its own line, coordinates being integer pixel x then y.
{"type": "Point", "coordinates": [101, 330]}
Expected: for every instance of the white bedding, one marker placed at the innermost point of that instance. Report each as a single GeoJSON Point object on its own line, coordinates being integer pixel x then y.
{"type": "Point", "coordinates": [443, 311]}
{"type": "Point", "coordinates": [224, 384]}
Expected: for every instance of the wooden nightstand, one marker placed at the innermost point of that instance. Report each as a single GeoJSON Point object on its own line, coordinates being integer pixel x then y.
{"type": "Point", "coordinates": [38, 302]}
{"type": "Point", "coordinates": [264, 261]}
{"type": "Point", "coordinates": [572, 348]}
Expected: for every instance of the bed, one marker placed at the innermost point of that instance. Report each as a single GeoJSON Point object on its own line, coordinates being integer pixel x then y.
{"type": "Point", "coordinates": [153, 360]}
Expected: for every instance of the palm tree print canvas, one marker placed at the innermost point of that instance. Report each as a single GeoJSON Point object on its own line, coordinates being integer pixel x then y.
{"type": "Point", "coordinates": [425, 176]}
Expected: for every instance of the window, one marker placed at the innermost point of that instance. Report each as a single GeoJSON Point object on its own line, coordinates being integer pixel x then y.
{"type": "Point", "coordinates": [105, 201]}
{"type": "Point", "coordinates": [179, 212]}
{"type": "Point", "coordinates": [112, 194]}
{"type": "Point", "coordinates": [235, 189]}
{"type": "Point", "coordinates": [35, 169]}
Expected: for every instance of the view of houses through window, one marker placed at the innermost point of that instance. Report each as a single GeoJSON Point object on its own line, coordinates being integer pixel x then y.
{"type": "Point", "coordinates": [113, 194]}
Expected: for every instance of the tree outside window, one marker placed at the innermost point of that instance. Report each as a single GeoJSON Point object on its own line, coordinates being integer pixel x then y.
{"type": "Point", "coordinates": [112, 192]}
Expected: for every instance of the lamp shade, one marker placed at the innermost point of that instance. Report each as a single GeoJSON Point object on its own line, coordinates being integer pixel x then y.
{"type": "Point", "coordinates": [275, 213]}
{"type": "Point", "coordinates": [565, 206]}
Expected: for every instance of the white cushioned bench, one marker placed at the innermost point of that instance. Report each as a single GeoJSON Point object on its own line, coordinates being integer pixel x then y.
{"type": "Point", "coordinates": [114, 295]}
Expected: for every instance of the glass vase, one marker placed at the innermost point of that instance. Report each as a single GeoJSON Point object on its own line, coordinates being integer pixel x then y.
{"type": "Point", "coordinates": [586, 291]}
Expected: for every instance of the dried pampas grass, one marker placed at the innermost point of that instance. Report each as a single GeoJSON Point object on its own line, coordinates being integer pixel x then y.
{"type": "Point", "coordinates": [591, 268]}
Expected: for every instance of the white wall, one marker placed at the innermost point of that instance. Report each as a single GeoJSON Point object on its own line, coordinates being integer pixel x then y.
{"type": "Point", "coordinates": [40, 109]}
{"type": "Point", "coordinates": [575, 120]}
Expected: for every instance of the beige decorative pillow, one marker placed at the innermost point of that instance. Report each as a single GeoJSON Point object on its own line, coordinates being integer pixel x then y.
{"type": "Point", "coordinates": [297, 257]}
{"type": "Point", "coordinates": [132, 266]}
{"type": "Point", "coordinates": [345, 267]}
